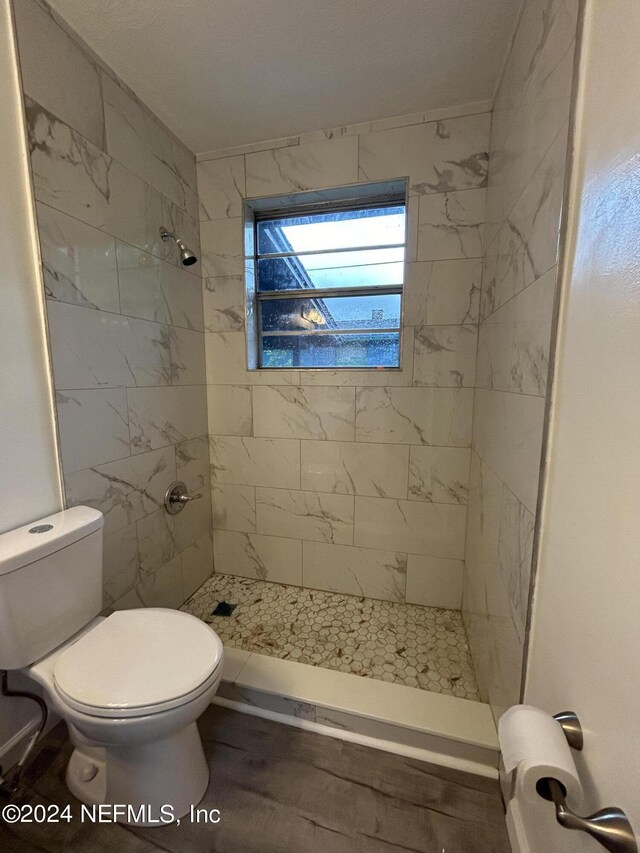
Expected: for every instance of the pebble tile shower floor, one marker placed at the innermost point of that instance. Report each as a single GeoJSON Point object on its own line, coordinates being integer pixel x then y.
{"type": "Point", "coordinates": [422, 647]}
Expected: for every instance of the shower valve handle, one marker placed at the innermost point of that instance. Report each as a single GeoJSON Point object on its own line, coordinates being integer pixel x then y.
{"type": "Point", "coordinates": [177, 497]}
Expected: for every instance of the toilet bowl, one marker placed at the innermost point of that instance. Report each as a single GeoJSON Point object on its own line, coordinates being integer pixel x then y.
{"type": "Point", "coordinates": [130, 685]}
{"type": "Point", "coordinates": [130, 688]}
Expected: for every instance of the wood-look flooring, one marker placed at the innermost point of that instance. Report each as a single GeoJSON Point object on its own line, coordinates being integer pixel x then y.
{"type": "Point", "coordinates": [283, 790]}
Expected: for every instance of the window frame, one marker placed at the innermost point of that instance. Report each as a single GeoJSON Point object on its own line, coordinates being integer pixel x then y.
{"type": "Point", "coordinates": [339, 199]}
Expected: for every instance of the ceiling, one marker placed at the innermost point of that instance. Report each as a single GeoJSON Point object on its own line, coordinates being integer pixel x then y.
{"type": "Point", "coordinates": [222, 73]}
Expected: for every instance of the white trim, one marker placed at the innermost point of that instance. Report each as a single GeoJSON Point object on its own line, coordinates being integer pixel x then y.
{"type": "Point", "coordinates": [11, 750]}
{"type": "Point", "coordinates": [515, 829]}
{"type": "Point", "coordinates": [434, 714]}
{"type": "Point", "coordinates": [364, 740]}
{"type": "Point", "coordinates": [391, 123]}
{"type": "Point", "coordinates": [15, 743]}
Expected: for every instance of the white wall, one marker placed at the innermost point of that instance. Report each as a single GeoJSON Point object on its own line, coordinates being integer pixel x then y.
{"type": "Point", "coordinates": [586, 627]}
{"type": "Point", "coordinates": [29, 478]}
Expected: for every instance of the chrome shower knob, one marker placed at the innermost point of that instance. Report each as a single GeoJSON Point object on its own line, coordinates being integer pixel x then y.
{"type": "Point", "coordinates": [176, 497]}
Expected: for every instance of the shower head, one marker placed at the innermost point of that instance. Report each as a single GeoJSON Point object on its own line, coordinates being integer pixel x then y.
{"type": "Point", "coordinates": [187, 257]}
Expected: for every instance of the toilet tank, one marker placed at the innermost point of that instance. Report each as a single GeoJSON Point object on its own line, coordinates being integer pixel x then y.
{"type": "Point", "coordinates": [50, 583]}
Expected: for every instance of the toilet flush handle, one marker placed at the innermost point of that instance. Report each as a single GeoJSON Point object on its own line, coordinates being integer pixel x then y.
{"type": "Point", "coordinates": [176, 497]}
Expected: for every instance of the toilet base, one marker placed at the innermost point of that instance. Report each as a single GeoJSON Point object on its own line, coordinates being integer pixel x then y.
{"type": "Point", "coordinates": [86, 775]}
{"type": "Point", "coordinates": [171, 771]}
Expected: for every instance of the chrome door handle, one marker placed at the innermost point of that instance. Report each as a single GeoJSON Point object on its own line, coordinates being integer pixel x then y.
{"type": "Point", "coordinates": [177, 497]}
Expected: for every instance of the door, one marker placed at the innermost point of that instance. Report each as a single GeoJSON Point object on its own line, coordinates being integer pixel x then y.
{"type": "Point", "coordinates": [584, 650]}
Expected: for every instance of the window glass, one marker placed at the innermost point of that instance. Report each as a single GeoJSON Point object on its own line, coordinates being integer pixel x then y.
{"type": "Point", "coordinates": [355, 256]}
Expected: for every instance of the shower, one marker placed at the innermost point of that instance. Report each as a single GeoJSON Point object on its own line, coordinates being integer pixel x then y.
{"type": "Point", "coordinates": [187, 257]}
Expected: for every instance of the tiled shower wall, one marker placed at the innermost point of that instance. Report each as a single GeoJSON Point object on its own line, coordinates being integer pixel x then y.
{"type": "Point", "coordinates": [351, 481]}
{"type": "Point", "coordinates": [125, 320]}
{"type": "Point", "coordinates": [524, 200]}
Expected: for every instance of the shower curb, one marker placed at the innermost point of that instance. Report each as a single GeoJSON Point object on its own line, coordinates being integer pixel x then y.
{"type": "Point", "coordinates": [441, 729]}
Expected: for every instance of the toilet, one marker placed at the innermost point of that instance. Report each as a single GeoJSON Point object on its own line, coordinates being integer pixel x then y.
{"type": "Point", "coordinates": [130, 686]}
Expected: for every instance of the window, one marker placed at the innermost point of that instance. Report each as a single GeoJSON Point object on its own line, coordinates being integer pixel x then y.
{"type": "Point", "coordinates": [327, 278]}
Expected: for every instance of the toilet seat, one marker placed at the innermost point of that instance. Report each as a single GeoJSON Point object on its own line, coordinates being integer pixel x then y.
{"type": "Point", "coordinates": [138, 662]}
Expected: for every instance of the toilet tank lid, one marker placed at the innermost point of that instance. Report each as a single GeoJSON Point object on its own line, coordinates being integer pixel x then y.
{"type": "Point", "coordinates": [38, 539]}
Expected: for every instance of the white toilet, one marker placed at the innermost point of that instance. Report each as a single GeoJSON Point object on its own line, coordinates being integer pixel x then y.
{"type": "Point", "coordinates": [130, 686]}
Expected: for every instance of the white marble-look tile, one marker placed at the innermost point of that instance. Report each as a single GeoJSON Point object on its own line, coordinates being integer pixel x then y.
{"type": "Point", "coordinates": [442, 292]}
{"type": "Point", "coordinates": [93, 427]}
{"type": "Point", "coordinates": [507, 434]}
{"type": "Point", "coordinates": [230, 410]}
{"type": "Point", "coordinates": [438, 157]}
{"type": "Point", "coordinates": [226, 357]}
{"type": "Point", "coordinates": [481, 561]}
{"type": "Point", "coordinates": [527, 243]}
{"type": "Point", "coordinates": [72, 175]}
{"type": "Point", "coordinates": [439, 474]}
{"type": "Point", "coordinates": [494, 292]}
{"type": "Point", "coordinates": [515, 552]}
{"type": "Point", "coordinates": [221, 187]}
{"type": "Point", "coordinates": [302, 167]}
{"type": "Point", "coordinates": [197, 564]}
{"type": "Point", "coordinates": [57, 73]}
{"type": "Point", "coordinates": [166, 415]}
{"type": "Point", "coordinates": [120, 564]}
{"type": "Point", "coordinates": [255, 461]}
{"type": "Point", "coordinates": [234, 507]}
{"type": "Point", "coordinates": [439, 416]}
{"type": "Point", "coordinates": [192, 464]}
{"type": "Point", "coordinates": [296, 412]}
{"type": "Point", "coordinates": [445, 356]}
{"type": "Point", "coordinates": [539, 66]}
{"type": "Point", "coordinates": [186, 225]}
{"type": "Point", "coordinates": [434, 582]}
{"type": "Point", "coordinates": [351, 468]}
{"type": "Point", "coordinates": [187, 356]}
{"type": "Point", "coordinates": [483, 527]}
{"type": "Point", "coordinates": [370, 376]}
{"type": "Point", "coordinates": [224, 303]}
{"type": "Point", "coordinates": [533, 101]}
{"type": "Point", "coordinates": [153, 289]}
{"type": "Point", "coordinates": [125, 490]}
{"type": "Point", "coordinates": [495, 349]}
{"type": "Point", "coordinates": [157, 542]}
{"type": "Point", "coordinates": [354, 571]}
{"type": "Point", "coordinates": [162, 588]}
{"type": "Point", "coordinates": [253, 556]}
{"type": "Point", "coordinates": [523, 133]}
{"type": "Point", "coordinates": [451, 225]}
{"type": "Point", "coordinates": [222, 248]}
{"type": "Point", "coordinates": [435, 530]}
{"type": "Point", "coordinates": [532, 335]}
{"type": "Point", "coordinates": [305, 515]}
{"type": "Point", "coordinates": [78, 262]}
{"type": "Point", "coordinates": [137, 140]}
{"type": "Point", "coordinates": [194, 522]}
{"type": "Point", "coordinates": [161, 536]}
{"type": "Point", "coordinates": [94, 349]}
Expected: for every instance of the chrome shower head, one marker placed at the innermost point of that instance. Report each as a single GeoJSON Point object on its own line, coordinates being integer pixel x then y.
{"type": "Point", "coordinates": [187, 257]}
